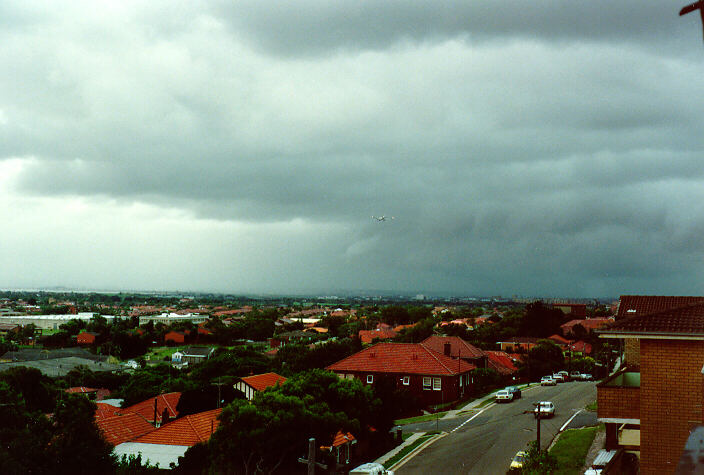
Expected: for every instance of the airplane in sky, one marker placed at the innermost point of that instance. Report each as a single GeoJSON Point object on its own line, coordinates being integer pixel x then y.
{"type": "Point", "coordinates": [384, 218]}
{"type": "Point", "coordinates": [694, 6]}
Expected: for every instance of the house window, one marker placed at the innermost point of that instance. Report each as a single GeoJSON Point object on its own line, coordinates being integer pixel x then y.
{"type": "Point", "coordinates": [461, 379]}
{"type": "Point", "coordinates": [370, 378]}
{"type": "Point", "coordinates": [406, 380]}
{"type": "Point", "coordinates": [437, 384]}
{"type": "Point", "coordinates": [427, 382]}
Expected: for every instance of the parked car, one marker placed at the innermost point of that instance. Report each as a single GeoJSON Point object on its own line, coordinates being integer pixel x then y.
{"type": "Point", "coordinates": [576, 376]}
{"type": "Point", "coordinates": [548, 381]}
{"type": "Point", "coordinates": [565, 375]}
{"type": "Point", "coordinates": [544, 409]}
{"type": "Point", "coordinates": [504, 396]}
{"type": "Point", "coordinates": [515, 391]}
{"type": "Point", "coordinates": [586, 377]}
{"type": "Point", "coordinates": [558, 378]}
{"type": "Point", "coordinates": [518, 460]}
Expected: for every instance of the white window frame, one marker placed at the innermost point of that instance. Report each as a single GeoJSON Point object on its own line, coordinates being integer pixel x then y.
{"type": "Point", "coordinates": [427, 383]}
{"type": "Point", "coordinates": [437, 384]}
{"type": "Point", "coordinates": [370, 379]}
{"type": "Point", "coordinates": [406, 380]}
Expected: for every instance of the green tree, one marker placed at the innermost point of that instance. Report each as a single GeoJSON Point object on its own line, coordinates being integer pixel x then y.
{"type": "Point", "coordinates": [544, 358]}
{"type": "Point", "coordinates": [541, 320]}
{"type": "Point", "coordinates": [78, 445]}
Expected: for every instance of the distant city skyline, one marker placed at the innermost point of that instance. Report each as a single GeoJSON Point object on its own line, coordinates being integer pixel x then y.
{"type": "Point", "coordinates": [542, 149]}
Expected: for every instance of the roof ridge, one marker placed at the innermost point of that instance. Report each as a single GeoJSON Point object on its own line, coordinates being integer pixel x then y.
{"type": "Point", "coordinates": [195, 431]}
{"type": "Point", "coordinates": [434, 356]}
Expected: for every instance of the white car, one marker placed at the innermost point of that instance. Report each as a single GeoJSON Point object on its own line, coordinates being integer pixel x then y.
{"type": "Point", "coordinates": [544, 409]}
{"type": "Point", "coordinates": [504, 396]}
{"type": "Point", "coordinates": [548, 381]}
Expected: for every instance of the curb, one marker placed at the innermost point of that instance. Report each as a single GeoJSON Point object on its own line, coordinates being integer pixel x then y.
{"type": "Point", "coordinates": [413, 452]}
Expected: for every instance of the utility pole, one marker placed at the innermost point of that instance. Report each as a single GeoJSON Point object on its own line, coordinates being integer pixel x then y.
{"type": "Point", "coordinates": [218, 384]}
{"type": "Point", "coordinates": [310, 461]}
{"type": "Point", "coordinates": [537, 418]}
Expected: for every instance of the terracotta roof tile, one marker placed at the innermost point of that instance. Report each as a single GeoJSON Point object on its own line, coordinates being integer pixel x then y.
{"type": "Point", "coordinates": [80, 390]}
{"type": "Point", "coordinates": [684, 320]}
{"type": "Point", "coordinates": [262, 381]}
{"type": "Point", "coordinates": [368, 336]}
{"type": "Point", "coordinates": [123, 428]}
{"type": "Point", "coordinates": [457, 344]}
{"type": "Point", "coordinates": [188, 430]}
{"type": "Point", "coordinates": [341, 438]}
{"type": "Point", "coordinates": [146, 408]}
{"type": "Point", "coordinates": [105, 410]}
{"type": "Point", "coordinates": [501, 362]}
{"type": "Point", "coordinates": [406, 358]}
{"type": "Point", "coordinates": [633, 305]}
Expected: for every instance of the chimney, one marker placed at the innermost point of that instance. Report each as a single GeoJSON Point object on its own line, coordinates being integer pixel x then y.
{"type": "Point", "coordinates": [447, 348]}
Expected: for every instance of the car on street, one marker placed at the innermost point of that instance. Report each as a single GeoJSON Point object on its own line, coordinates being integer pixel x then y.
{"type": "Point", "coordinates": [586, 377]}
{"type": "Point", "coordinates": [548, 381]}
{"type": "Point", "coordinates": [518, 460]}
{"type": "Point", "coordinates": [565, 375]}
{"type": "Point", "coordinates": [558, 378]}
{"type": "Point", "coordinates": [515, 391]}
{"type": "Point", "coordinates": [544, 409]}
{"type": "Point", "coordinates": [504, 396]}
{"type": "Point", "coordinates": [576, 376]}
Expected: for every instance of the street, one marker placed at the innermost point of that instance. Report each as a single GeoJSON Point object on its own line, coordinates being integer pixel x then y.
{"type": "Point", "coordinates": [486, 444]}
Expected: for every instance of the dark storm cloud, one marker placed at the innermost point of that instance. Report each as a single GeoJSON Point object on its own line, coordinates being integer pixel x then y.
{"type": "Point", "coordinates": [320, 27]}
{"type": "Point", "coordinates": [547, 148]}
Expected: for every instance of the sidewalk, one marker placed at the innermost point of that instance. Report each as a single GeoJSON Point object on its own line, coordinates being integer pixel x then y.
{"type": "Point", "coordinates": [415, 436]}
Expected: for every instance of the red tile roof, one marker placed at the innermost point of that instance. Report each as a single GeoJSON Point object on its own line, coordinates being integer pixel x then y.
{"type": "Point", "coordinates": [633, 305]}
{"type": "Point", "coordinates": [581, 347]}
{"type": "Point", "coordinates": [560, 340]}
{"type": "Point", "coordinates": [501, 362]}
{"type": "Point", "coordinates": [587, 323]}
{"type": "Point", "coordinates": [81, 390]}
{"type": "Point", "coordinates": [457, 345]}
{"type": "Point", "coordinates": [404, 358]}
{"type": "Point", "coordinates": [368, 336]}
{"type": "Point", "coordinates": [123, 428]}
{"type": "Point", "coordinates": [105, 410]}
{"type": "Point", "coordinates": [340, 439]}
{"type": "Point", "coordinates": [146, 408]}
{"type": "Point", "coordinates": [681, 321]}
{"type": "Point", "coordinates": [262, 381]}
{"type": "Point", "coordinates": [188, 430]}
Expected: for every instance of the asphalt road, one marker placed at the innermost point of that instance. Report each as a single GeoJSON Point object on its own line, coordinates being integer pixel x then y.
{"type": "Point", "coordinates": [486, 444]}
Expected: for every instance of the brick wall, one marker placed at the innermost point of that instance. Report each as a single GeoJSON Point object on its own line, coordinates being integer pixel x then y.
{"type": "Point", "coordinates": [622, 403]}
{"type": "Point", "coordinates": [632, 352]}
{"type": "Point", "coordinates": [671, 400]}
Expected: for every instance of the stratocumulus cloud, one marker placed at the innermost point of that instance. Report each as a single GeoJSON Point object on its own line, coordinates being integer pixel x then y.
{"type": "Point", "coordinates": [549, 149]}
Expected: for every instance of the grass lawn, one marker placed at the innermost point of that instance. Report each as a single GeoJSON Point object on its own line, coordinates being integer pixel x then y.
{"type": "Point", "coordinates": [571, 449]}
{"type": "Point", "coordinates": [423, 418]}
{"type": "Point", "coordinates": [591, 407]}
{"type": "Point", "coordinates": [158, 352]}
{"type": "Point", "coordinates": [393, 460]}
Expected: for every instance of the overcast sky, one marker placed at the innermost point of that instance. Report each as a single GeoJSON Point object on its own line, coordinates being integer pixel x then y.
{"type": "Point", "coordinates": [549, 148]}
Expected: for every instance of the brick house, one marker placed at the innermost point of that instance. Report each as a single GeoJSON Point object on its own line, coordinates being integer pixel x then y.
{"type": "Point", "coordinates": [652, 403]}
{"type": "Point", "coordinates": [192, 355]}
{"type": "Point", "coordinates": [432, 377]}
{"type": "Point", "coordinates": [250, 385]}
{"type": "Point", "coordinates": [176, 337]}
{"type": "Point", "coordinates": [86, 338]}
{"type": "Point", "coordinates": [519, 343]}
{"type": "Point", "coordinates": [456, 347]}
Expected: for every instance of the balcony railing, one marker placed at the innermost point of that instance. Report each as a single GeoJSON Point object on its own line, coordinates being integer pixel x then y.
{"type": "Point", "coordinates": [618, 398]}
